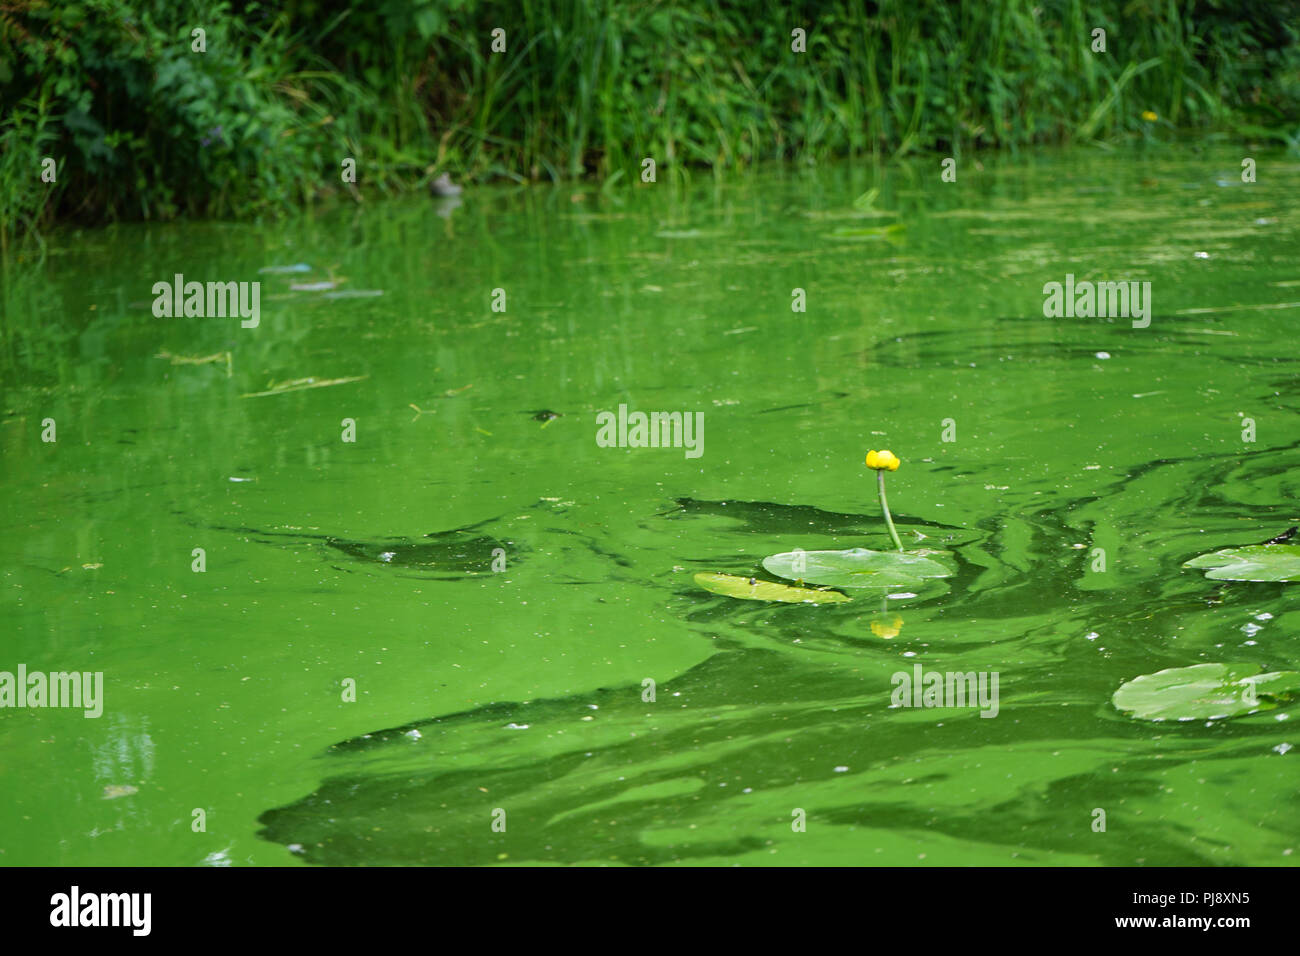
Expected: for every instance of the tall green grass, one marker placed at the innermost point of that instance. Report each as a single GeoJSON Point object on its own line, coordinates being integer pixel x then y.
{"type": "Point", "coordinates": [142, 127]}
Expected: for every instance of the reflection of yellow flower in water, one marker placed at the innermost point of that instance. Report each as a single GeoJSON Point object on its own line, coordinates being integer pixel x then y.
{"type": "Point", "coordinates": [1149, 116]}
{"type": "Point", "coordinates": [887, 628]}
{"type": "Point", "coordinates": [882, 460]}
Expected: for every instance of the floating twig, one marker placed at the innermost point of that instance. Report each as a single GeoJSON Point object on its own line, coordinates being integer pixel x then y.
{"type": "Point", "coordinates": [198, 359]}
{"type": "Point", "coordinates": [299, 384]}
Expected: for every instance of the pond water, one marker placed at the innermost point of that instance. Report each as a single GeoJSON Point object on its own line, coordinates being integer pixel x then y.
{"type": "Point", "coordinates": [364, 569]}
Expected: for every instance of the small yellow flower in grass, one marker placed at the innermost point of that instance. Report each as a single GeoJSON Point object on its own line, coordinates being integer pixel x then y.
{"type": "Point", "coordinates": [882, 460]}
{"type": "Point", "coordinates": [1149, 116]}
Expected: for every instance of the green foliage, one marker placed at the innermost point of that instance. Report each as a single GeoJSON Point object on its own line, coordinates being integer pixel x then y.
{"type": "Point", "coordinates": [1205, 692]}
{"type": "Point", "coordinates": [143, 127]}
{"type": "Point", "coordinates": [751, 589]}
{"type": "Point", "coordinates": [860, 567]}
{"type": "Point", "coordinates": [1256, 562]}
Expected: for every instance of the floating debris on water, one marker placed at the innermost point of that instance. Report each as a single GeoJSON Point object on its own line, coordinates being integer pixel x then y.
{"type": "Point", "coordinates": [868, 232]}
{"type": "Point", "coordinates": [1234, 308]}
{"type": "Point", "coordinates": [285, 270]}
{"type": "Point", "coordinates": [298, 384]}
{"type": "Point", "coordinates": [444, 188]}
{"type": "Point", "coordinates": [354, 294]}
{"type": "Point", "coordinates": [199, 359]}
{"type": "Point", "coordinates": [114, 790]}
{"type": "Point", "coordinates": [312, 286]}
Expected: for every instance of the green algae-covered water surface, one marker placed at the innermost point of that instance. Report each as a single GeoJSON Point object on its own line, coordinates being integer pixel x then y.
{"type": "Point", "coordinates": [365, 586]}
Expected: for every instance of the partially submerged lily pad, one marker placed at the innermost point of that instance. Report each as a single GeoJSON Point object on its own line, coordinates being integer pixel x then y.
{"type": "Point", "coordinates": [860, 567]}
{"type": "Point", "coordinates": [1256, 562]}
{"type": "Point", "coordinates": [1205, 692]}
{"type": "Point", "coordinates": [755, 590]}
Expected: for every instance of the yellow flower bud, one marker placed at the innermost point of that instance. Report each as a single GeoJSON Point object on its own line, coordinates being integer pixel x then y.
{"type": "Point", "coordinates": [882, 460]}
{"type": "Point", "coordinates": [1149, 116]}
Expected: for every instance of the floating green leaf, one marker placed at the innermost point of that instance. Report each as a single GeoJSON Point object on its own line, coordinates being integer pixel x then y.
{"type": "Point", "coordinates": [867, 199]}
{"type": "Point", "coordinates": [1205, 692]}
{"type": "Point", "coordinates": [1256, 562]}
{"type": "Point", "coordinates": [754, 590]}
{"type": "Point", "coordinates": [890, 232]}
{"type": "Point", "coordinates": [860, 567]}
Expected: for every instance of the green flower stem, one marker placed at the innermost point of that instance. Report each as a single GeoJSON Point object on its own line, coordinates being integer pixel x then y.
{"type": "Point", "coordinates": [884, 506]}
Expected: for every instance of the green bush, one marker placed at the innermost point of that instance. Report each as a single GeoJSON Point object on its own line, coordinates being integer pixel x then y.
{"type": "Point", "coordinates": [143, 127]}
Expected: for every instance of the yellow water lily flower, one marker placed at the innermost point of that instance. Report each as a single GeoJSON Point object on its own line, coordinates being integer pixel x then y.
{"type": "Point", "coordinates": [887, 628]}
{"type": "Point", "coordinates": [1149, 116]}
{"type": "Point", "coordinates": [882, 460]}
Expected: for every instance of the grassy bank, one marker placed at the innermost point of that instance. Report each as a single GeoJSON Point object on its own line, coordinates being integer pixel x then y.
{"type": "Point", "coordinates": [141, 125]}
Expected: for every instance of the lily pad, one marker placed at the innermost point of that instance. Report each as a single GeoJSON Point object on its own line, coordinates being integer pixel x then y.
{"type": "Point", "coordinates": [1205, 692]}
{"type": "Point", "coordinates": [754, 590]}
{"type": "Point", "coordinates": [1256, 562]}
{"type": "Point", "coordinates": [860, 567]}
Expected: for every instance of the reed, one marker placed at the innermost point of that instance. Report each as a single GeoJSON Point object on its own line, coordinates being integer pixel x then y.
{"type": "Point", "coordinates": [142, 127]}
